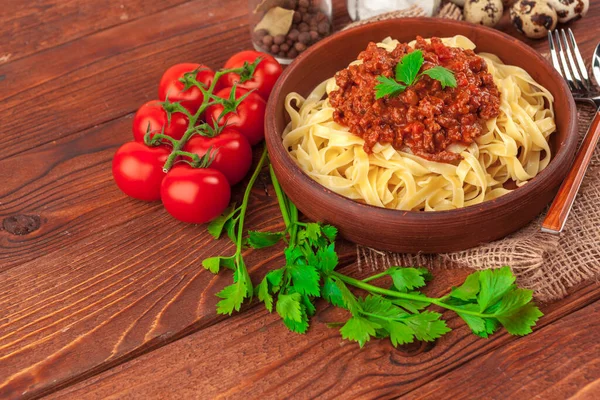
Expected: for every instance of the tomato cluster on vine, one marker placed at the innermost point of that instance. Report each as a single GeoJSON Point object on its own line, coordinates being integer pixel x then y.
{"type": "Point", "coordinates": [193, 143]}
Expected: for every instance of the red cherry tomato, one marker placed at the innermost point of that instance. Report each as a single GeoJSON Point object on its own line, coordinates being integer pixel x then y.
{"type": "Point", "coordinates": [249, 119]}
{"type": "Point", "coordinates": [195, 195]}
{"type": "Point", "coordinates": [152, 114]}
{"type": "Point", "coordinates": [137, 170]}
{"type": "Point", "coordinates": [171, 85]}
{"type": "Point", "coordinates": [265, 75]}
{"type": "Point", "coordinates": [233, 157]}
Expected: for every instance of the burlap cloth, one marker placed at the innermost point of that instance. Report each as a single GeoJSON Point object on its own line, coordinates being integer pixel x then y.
{"type": "Point", "coordinates": [548, 264]}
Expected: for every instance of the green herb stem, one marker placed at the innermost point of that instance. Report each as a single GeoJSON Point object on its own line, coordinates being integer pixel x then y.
{"type": "Point", "coordinates": [244, 205]}
{"type": "Point", "coordinates": [280, 197]}
{"type": "Point", "coordinates": [391, 293]}
{"type": "Point", "coordinates": [376, 276]}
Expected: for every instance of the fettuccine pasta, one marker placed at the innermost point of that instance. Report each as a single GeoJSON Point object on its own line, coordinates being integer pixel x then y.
{"type": "Point", "coordinates": [512, 149]}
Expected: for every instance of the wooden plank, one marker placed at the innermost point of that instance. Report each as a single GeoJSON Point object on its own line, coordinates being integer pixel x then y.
{"type": "Point", "coordinates": [67, 185]}
{"type": "Point", "coordinates": [114, 295]}
{"type": "Point", "coordinates": [557, 362]}
{"type": "Point", "coordinates": [108, 74]}
{"type": "Point", "coordinates": [32, 26]}
{"type": "Point", "coordinates": [264, 360]}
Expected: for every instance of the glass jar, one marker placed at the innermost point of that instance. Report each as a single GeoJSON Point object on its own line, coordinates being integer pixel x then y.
{"type": "Point", "coordinates": [286, 28]}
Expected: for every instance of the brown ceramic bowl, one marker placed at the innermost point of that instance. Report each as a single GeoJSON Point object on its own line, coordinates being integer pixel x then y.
{"type": "Point", "coordinates": [413, 231]}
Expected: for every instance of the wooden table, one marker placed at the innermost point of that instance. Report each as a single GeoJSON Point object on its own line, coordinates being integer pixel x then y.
{"type": "Point", "coordinates": [105, 296]}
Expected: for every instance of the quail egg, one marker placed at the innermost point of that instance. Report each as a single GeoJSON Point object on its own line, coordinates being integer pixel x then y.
{"type": "Point", "coordinates": [534, 18]}
{"type": "Point", "coordinates": [483, 12]}
{"type": "Point", "coordinates": [569, 9]}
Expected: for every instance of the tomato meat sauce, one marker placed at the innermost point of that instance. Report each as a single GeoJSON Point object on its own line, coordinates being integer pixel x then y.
{"type": "Point", "coordinates": [425, 118]}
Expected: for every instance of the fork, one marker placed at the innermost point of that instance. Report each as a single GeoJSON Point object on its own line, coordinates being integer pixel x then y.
{"type": "Point", "coordinates": [582, 89]}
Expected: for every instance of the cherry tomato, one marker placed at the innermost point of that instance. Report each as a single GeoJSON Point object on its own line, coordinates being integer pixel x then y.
{"type": "Point", "coordinates": [195, 195]}
{"type": "Point", "coordinates": [249, 119]}
{"type": "Point", "coordinates": [171, 85]}
{"type": "Point", "coordinates": [233, 157]}
{"type": "Point", "coordinates": [137, 170]}
{"type": "Point", "coordinates": [265, 75]}
{"type": "Point", "coordinates": [154, 115]}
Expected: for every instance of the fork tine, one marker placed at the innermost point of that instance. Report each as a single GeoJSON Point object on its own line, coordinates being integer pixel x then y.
{"type": "Point", "coordinates": [580, 63]}
{"type": "Point", "coordinates": [578, 83]}
{"type": "Point", "coordinates": [553, 54]}
{"type": "Point", "coordinates": [565, 66]}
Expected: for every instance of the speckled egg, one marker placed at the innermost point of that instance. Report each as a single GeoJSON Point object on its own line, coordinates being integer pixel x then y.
{"type": "Point", "coordinates": [483, 12]}
{"type": "Point", "coordinates": [534, 18]}
{"type": "Point", "coordinates": [568, 10]}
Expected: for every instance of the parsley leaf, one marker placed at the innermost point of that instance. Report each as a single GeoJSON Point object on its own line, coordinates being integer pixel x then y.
{"type": "Point", "coordinates": [521, 321]}
{"type": "Point", "coordinates": [408, 67]}
{"type": "Point", "coordinates": [399, 333]}
{"type": "Point", "coordinates": [359, 330]}
{"type": "Point", "coordinates": [233, 296]}
{"type": "Point", "coordinates": [493, 285]}
{"type": "Point", "coordinates": [444, 75]}
{"type": "Point", "coordinates": [388, 87]}
{"type": "Point", "coordinates": [305, 279]}
{"type": "Point", "coordinates": [215, 228]}
{"type": "Point", "coordinates": [289, 307]}
{"type": "Point", "coordinates": [427, 325]}
{"type": "Point", "coordinates": [407, 74]}
{"type": "Point", "coordinates": [331, 292]}
{"type": "Point", "coordinates": [298, 326]}
{"type": "Point", "coordinates": [259, 240]}
{"type": "Point", "coordinates": [330, 232]}
{"type": "Point", "coordinates": [406, 279]}
{"type": "Point", "coordinates": [328, 258]}
{"type": "Point", "coordinates": [468, 290]}
{"type": "Point", "coordinates": [264, 295]}
{"type": "Point", "coordinates": [213, 264]}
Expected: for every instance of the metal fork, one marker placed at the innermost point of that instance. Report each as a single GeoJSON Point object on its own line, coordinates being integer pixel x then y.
{"type": "Point", "coordinates": [573, 70]}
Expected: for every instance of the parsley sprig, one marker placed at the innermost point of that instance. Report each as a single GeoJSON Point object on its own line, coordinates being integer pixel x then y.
{"type": "Point", "coordinates": [398, 311]}
{"type": "Point", "coordinates": [407, 73]}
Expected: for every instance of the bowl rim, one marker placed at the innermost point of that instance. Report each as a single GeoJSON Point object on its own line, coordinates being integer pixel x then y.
{"type": "Point", "coordinates": [565, 154]}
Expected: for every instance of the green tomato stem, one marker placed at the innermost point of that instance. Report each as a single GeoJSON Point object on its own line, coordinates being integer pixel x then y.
{"type": "Point", "coordinates": [178, 145]}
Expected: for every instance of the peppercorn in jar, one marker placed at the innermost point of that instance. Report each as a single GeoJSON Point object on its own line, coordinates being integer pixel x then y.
{"type": "Point", "coordinates": [286, 28]}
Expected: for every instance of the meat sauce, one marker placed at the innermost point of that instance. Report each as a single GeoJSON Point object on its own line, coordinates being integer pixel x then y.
{"type": "Point", "coordinates": [424, 117]}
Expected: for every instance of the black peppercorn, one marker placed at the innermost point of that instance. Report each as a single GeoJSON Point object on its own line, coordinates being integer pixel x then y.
{"type": "Point", "coordinates": [303, 27]}
{"type": "Point", "coordinates": [304, 38]}
{"type": "Point", "coordinates": [300, 47]}
{"type": "Point", "coordinates": [293, 35]}
{"type": "Point", "coordinates": [267, 40]}
{"type": "Point", "coordinates": [275, 49]}
{"type": "Point", "coordinates": [279, 39]}
{"type": "Point", "coordinates": [297, 17]}
{"type": "Point", "coordinates": [323, 28]}
{"type": "Point", "coordinates": [284, 47]}
{"type": "Point", "coordinates": [261, 33]}
{"type": "Point", "coordinates": [292, 53]}
{"type": "Point", "coordinates": [314, 36]}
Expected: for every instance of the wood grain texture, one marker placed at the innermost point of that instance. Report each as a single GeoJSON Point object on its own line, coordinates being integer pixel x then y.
{"type": "Point", "coordinates": [88, 306]}
{"type": "Point", "coordinates": [109, 74]}
{"type": "Point", "coordinates": [558, 362]}
{"type": "Point", "coordinates": [33, 26]}
{"type": "Point", "coordinates": [264, 360]}
{"type": "Point", "coordinates": [555, 219]}
{"type": "Point", "coordinates": [93, 279]}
